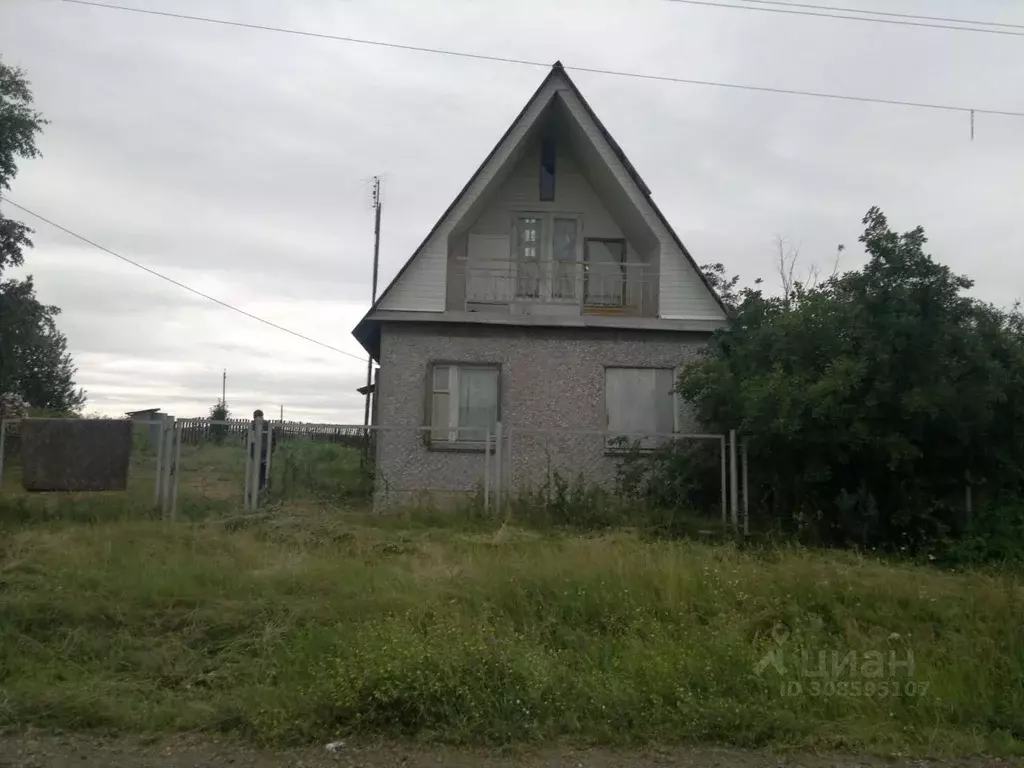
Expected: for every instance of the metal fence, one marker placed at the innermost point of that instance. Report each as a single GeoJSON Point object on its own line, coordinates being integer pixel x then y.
{"type": "Point", "coordinates": [251, 465]}
{"type": "Point", "coordinates": [198, 467]}
{"type": "Point", "coordinates": [625, 464]}
{"type": "Point", "coordinates": [145, 465]}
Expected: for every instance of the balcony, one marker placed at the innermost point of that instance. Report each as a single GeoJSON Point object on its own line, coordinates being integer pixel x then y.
{"type": "Point", "coordinates": [562, 287]}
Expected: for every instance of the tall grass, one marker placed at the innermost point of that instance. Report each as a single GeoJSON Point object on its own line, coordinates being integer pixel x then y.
{"type": "Point", "coordinates": [290, 628]}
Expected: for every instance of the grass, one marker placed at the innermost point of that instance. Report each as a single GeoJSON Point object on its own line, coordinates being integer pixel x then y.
{"type": "Point", "coordinates": [306, 623]}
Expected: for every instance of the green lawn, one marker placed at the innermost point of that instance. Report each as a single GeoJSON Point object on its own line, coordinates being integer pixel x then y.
{"type": "Point", "coordinates": [307, 623]}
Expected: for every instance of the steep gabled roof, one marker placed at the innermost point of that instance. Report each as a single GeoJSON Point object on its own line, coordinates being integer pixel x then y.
{"type": "Point", "coordinates": [362, 331]}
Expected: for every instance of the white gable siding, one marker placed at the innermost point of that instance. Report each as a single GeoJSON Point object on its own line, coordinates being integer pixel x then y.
{"type": "Point", "coordinates": [521, 192]}
{"type": "Point", "coordinates": [424, 280]}
{"type": "Point", "coordinates": [422, 287]}
{"type": "Point", "coordinates": [682, 294]}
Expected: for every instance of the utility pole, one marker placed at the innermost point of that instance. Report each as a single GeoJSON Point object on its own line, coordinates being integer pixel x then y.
{"type": "Point", "coordinates": [224, 387]}
{"type": "Point", "coordinates": [377, 205]}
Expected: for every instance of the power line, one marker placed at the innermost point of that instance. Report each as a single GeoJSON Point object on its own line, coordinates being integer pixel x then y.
{"type": "Point", "coordinates": [915, 16]}
{"type": "Point", "coordinates": [823, 15]}
{"type": "Point", "coordinates": [171, 280]}
{"type": "Point", "coordinates": [526, 62]}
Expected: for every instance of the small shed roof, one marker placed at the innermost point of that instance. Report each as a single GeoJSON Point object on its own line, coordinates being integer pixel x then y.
{"type": "Point", "coordinates": [142, 412]}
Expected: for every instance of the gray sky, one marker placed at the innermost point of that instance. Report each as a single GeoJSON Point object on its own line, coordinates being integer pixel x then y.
{"type": "Point", "coordinates": [238, 161]}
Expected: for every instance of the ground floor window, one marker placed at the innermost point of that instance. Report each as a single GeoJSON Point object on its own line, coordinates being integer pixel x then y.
{"type": "Point", "coordinates": [640, 401]}
{"type": "Point", "coordinates": [463, 402]}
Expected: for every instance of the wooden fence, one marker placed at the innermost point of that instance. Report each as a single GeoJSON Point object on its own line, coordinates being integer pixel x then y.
{"type": "Point", "coordinates": [200, 431]}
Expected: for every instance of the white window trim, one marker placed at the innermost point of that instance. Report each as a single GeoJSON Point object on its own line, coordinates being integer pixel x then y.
{"type": "Point", "coordinates": [452, 423]}
{"type": "Point", "coordinates": [547, 252]}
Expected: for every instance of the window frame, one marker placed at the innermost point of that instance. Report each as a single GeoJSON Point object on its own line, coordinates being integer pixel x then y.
{"type": "Point", "coordinates": [676, 405]}
{"type": "Point", "coordinates": [622, 268]}
{"type": "Point", "coordinates": [546, 257]}
{"type": "Point", "coordinates": [453, 443]}
{"type": "Point", "coordinates": [543, 247]}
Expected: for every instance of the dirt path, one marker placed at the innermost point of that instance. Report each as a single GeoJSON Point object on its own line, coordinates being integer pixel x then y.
{"type": "Point", "coordinates": [38, 751]}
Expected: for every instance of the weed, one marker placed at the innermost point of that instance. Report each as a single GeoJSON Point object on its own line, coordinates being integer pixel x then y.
{"type": "Point", "coordinates": [306, 623]}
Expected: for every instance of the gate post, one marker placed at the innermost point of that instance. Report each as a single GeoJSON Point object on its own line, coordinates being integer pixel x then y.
{"type": "Point", "coordinates": [257, 462]}
{"type": "Point", "coordinates": [499, 467]}
{"type": "Point", "coordinates": [166, 464]}
{"type": "Point", "coordinates": [733, 481]}
{"type": "Point", "coordinates": [175, 467]}
{"type": "Point", "coordinates": [487, 469]}
{"type": "Point", "coordinates": [270, 452]}
{"type": "Point", "coordinates": [746, 488]}
{"type": "Point", "coordinates": [247, 484]}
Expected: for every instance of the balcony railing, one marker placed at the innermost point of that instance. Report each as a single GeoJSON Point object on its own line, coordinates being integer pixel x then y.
{"type": "Point", "coordinates": [596, 288]}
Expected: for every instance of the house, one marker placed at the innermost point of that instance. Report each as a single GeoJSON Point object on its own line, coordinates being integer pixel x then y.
{"type": "Point", "coordinates": [551, 295]}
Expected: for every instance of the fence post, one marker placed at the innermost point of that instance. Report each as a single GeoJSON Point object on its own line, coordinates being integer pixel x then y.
{"type": "Point", "coordinates": [3, 443]}
{"type": "Point", "coordinates": [551, 478]}
{"type": "Point", "coordinates": [159, 465]}
{"type": "Point", "coordinates": [487, 470]}
{"type": "Point", "coordinates": [733, 480]}
{"type": "Point", "coordinates": [270, 451]}
{"type": "Point", "coordinates": [175, 468]}
{"type": "Point", "coordinates": [246, 490]}
{"type": "Point", "coordinates": [497, 466]}
{"type": "Point", "coordinates": [167, 440]}
{"type": "Point", "coordinates": [257, 462]}
{"type": "Point", "coordinates": [725, 483]}
{"type": "Point", "coordinates": [746, 489]}
{"type": "Point", "coordinates": [511, 468]}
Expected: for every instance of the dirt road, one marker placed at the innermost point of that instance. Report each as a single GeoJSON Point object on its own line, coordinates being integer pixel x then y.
{"type": "Point", "coordinates": [39, 751]}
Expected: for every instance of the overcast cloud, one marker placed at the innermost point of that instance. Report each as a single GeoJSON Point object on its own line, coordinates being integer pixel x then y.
{"type": "Point", "coordinates": [238, 161]}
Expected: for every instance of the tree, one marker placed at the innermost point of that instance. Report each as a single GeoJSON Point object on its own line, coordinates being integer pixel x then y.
{"type": "Point", "coordinates": [34, 362]}
{"type": "Point", "coordinates": [219, 412]}
{"type": "Point", "coordinates": [871, 399]}
{"type": "Point", "coordinates": [724, 286]}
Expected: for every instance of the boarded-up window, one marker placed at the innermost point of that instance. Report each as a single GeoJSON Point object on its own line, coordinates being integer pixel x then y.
{"type": "Point", "coordinates": [639, 401]}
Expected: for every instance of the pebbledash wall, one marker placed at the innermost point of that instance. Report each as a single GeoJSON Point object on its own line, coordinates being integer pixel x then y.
{"type": "Point", "coordinates": [551, 379]}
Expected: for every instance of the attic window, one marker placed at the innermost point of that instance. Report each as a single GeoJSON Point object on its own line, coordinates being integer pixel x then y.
{"type": "Point", "coordinates": [547, 169]}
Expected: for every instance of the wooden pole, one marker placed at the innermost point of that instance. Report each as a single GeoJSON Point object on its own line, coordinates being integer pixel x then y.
{"type": "Point", "coordinates": [373, 300]}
